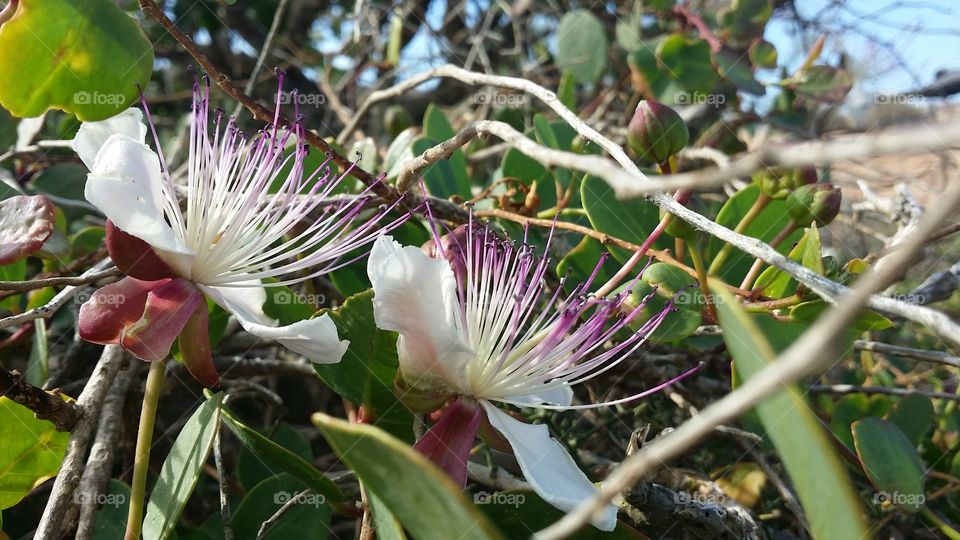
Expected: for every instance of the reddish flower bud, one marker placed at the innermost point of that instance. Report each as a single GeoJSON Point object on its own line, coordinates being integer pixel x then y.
{"type": "Point", "coordinates": [452, 247]}
{"type": "Point", "coordinates": [656, 132]}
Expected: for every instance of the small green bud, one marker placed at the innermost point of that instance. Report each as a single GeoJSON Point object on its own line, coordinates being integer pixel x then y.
{"type": "Point", "coordinates": [778, 183]}
{"type": "Point", "coordinates": [814, 202]}
{"type": "Point", "coordinates": [656, 132]}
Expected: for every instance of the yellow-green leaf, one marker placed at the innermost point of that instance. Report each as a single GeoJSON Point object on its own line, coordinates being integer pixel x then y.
{"type": "Point", "coordinates": [32, 451]}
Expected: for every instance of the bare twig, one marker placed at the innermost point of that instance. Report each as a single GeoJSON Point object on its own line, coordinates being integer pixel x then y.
{"type": "Point", "coordinates": [264, 51]}
{"type": "Point", "coordinates": [47, 406]}
{"type": "Point", "coordinates": [96, 474]}
{"type": "Point", "coordinates": [89, 403]}
{"type": "Point", "coordinates": [941, 324]}
{"type": "Point", "coordinates": [844, 389]}
{"type": "Point", "coordinates": [937, 357]}
{"type": "Point", "coordinates": [806, 355]}
{"type": "Point", "coordinates": [287, 506]}
{"type": "Point", "coordinates": [85, 279]}
{"type": "Point", "coordinates": [58, 301]}
{"type": "Point", "coordinates": [225, 518]}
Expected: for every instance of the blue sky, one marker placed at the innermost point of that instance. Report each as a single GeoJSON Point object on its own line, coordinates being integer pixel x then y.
{"type": "Point", "coordinates": [926, 33]}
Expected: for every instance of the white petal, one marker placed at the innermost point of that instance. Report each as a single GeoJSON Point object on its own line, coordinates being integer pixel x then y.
{"type": "Point", "coordinates": [561, 395]}
{"type": "Point", "coordinates": [416, 296]}
{"type": "Point", "coordinates": [548, 467]}
{"type": "Point", "coordinates": [125, 186]}
{"type": "Point", "coordinates": [316, 339]}
{"type": "Point", "coordinates": [92, 135]}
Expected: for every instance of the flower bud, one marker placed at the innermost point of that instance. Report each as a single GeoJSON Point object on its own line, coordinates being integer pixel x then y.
{"type": "Point", "coordinates": [778, 183]}
{"type": "Point", "coordinates": [452, 245]}
{"type": "Point", "coordinates": [656, 132]}
{"type": "Point", "coordinates": [814, 202]}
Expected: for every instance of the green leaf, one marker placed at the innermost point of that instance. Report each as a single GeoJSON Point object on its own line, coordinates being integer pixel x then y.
{"type": "Point", "coordinates": [848, 409]}
{"type": "Point", "coordinates": [277, 457]}
{"type": "Point", "coordinates": [516, 164]}
{"type": "Point", "coordinates": [399, 151]}
{"type": "Point", "coordinates": [365, 375]}
{"type": "Point", "coordinates": [251, 470]}
{"type": "Point", "coordinates": [582, 260]}
{"type": "Point", "coordinates": [385, 523]}
{"type": "Point", "coordinates": [581, 46]}
{"type": "Point", "coordinates": [15, 271]}
{"type": "Point", "coordinates": [31, 452]}
{"type": "Point", "coordinates": [821, 83]}
{"type": "Point", "coordinates": [765, 227]}
{"type": "Point", "coordinates": [448, 176]}
{"type": "Point", "coordinates": [311, 516]}
{"type": "Point", "coordinates": [37, 368]}
{"type": "Point", "coordinates": [795, 432]}
{"type": "Point", "coordinates": [85, 57]}
{"type": "Point", "coordinates": [678, 324]}
{"type": "Point", "coordinates": [735, 68]}
{"type": "Point", "coordinates": [688, 61]}
{"type": "Point", "coordinates": [521, 513]}
{"type": "Point", "coordinates": [913, 414]}
{"type": "Point", "coordinates": [567, 91]}
{"type": "Point", "coordinates": [110, 522]}
{"type": "Point", "coordinates": [630, 220]}
{"type": "Point", "coordinates": [421, 496]}
{"type": "Point", "coordinates": [776, 283]}
{"type": "Point", "coordinates": [745, 19]}
{"type": "Point", "coordinates": [891, 462]}
{"type": "Point", "coordinates": [866, 321]}
{"type": "Point", "coordinates": [181, 470]}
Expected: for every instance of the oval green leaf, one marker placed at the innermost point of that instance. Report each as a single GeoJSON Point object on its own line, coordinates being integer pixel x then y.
{"type": "Point", "coordinates": [424, 499]}
{"type": "Point", "coordinates": [85, 57]}
{"type": "Point", "coordinates": [181, 470]}
{"type": "Point", "coordinates": [891, 463]}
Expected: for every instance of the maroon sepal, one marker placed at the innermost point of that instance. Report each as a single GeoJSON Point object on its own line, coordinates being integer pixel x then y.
{"type": "Point", "coordinates": [449, 441]}
{"type": "Point", "coordinates": [134, 257]}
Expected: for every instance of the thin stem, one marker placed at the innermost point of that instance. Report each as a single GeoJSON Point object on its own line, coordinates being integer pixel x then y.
{"type": "Point", "coordinates": [770, 305]}
{"type": "Point", "coordinates": [758, 205]}
{"type": "Point", "coordinates": [681, 196]}
{"type": "Point", "coordinates": [141, 462]}
{"type": "Point", "coordinates": [702, 277]}
{"type": "Point", "coordinates": [758, 264]}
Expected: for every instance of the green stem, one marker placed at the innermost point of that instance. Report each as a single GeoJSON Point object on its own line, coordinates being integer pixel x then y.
{"type": "Point", "coordinates": [141, 461]}
{"type": "Point", "coordinates": [701, 277]}
{"type": "Point", "coordinates": [758, 264]}
{"type": "Point", "coordinates": [550, 212]}
{"type": "Point", "coordinates": [946, 529]}
{"type": "Point", "coordinates": [758, 205]}
{"type": "Point", "coordinates": [780, 303]}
